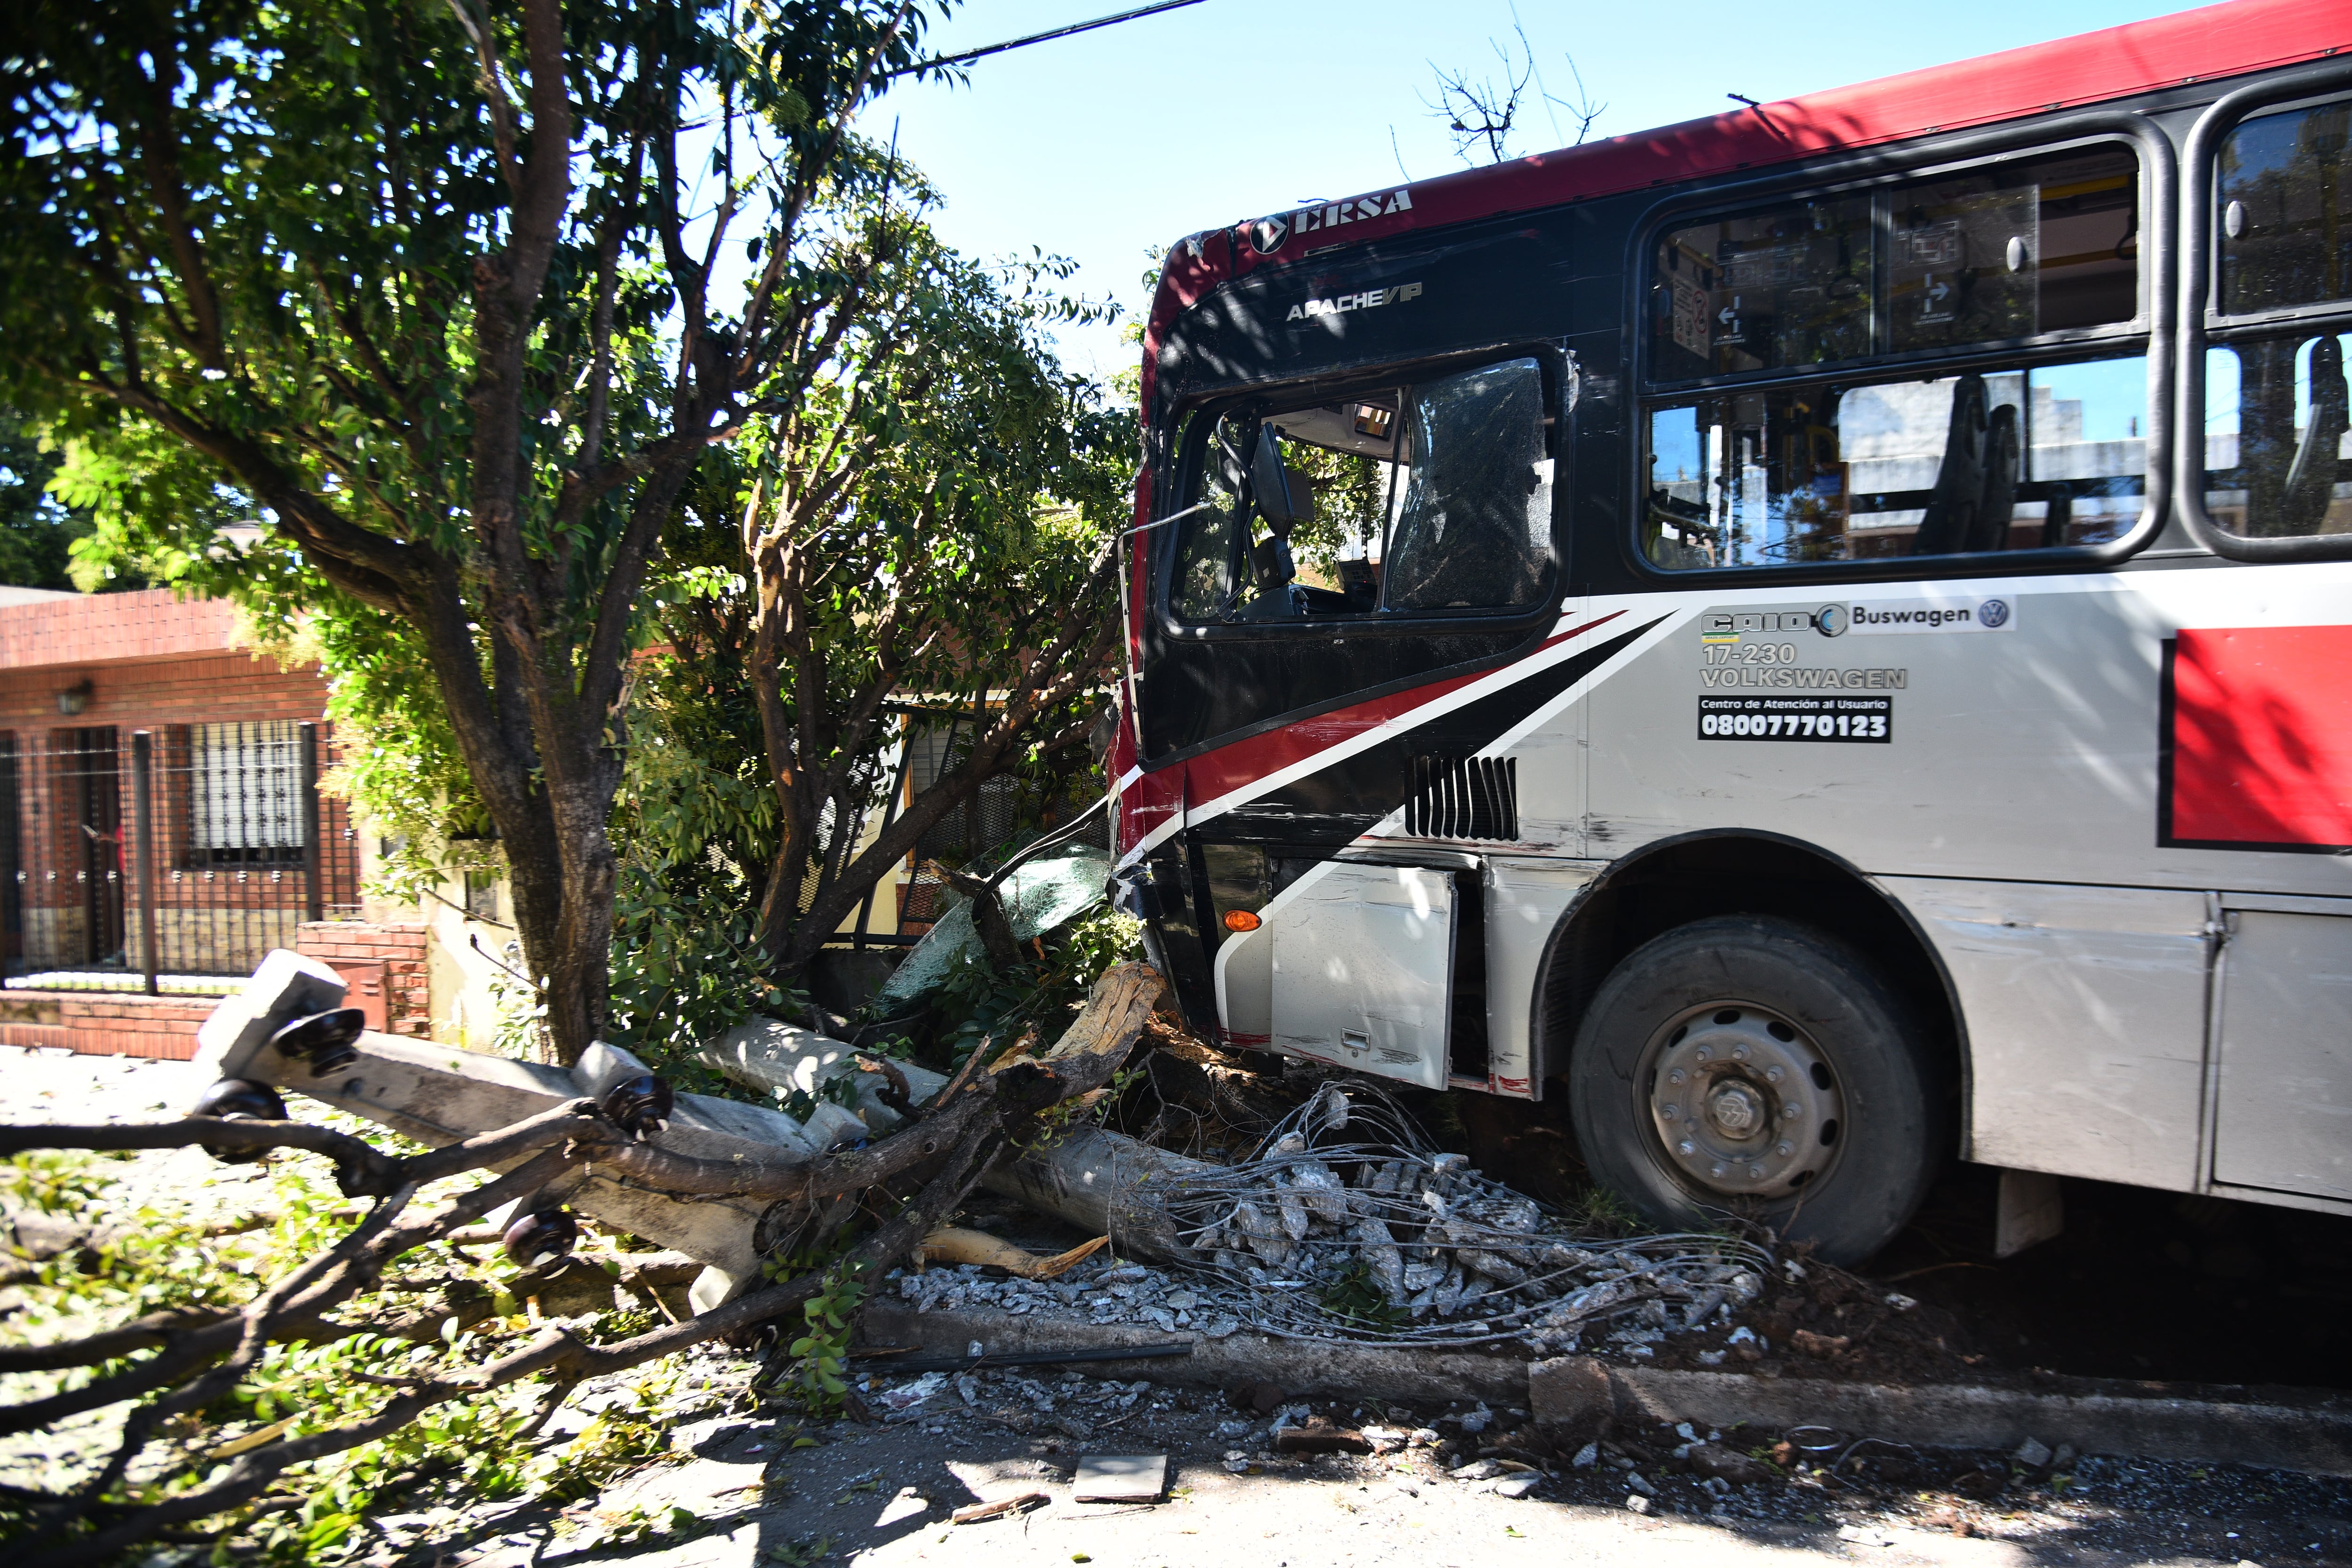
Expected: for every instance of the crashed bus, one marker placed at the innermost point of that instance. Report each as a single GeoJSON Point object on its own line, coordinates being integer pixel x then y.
{"type": "Point", "coordinates": [1818, 635]}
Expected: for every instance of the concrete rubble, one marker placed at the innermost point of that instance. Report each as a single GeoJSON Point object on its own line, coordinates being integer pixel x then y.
{"type": "Point", "coordinates": [1345, 1223]}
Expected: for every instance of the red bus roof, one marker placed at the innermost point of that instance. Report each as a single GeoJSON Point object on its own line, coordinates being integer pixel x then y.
{"type": "Point", "coordinates": [2187, 46]}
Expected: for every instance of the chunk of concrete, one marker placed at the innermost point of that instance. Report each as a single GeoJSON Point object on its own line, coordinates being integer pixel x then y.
{"type": "Point", "coordinates": [1106, 1183]}
{"type": "Point", "coordinates": [285, 987]}
{"type": "Point", "coordinates": [778, 1058]}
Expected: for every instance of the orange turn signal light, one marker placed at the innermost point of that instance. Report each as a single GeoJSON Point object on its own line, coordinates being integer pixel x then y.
{"type": "Point", "coordinates": [1240, 919]}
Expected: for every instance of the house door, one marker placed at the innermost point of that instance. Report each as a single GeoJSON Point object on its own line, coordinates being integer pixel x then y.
{"type": "Point", "coordinates": [94, 795]}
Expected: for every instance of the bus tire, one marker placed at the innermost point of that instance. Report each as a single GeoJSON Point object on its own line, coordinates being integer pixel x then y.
{"type": "Point", "coordinates": [1750, 1065]}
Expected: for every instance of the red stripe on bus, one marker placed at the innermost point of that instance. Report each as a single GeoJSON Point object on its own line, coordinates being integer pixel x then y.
{"type": "Point", "coordinates": [1215, 774]}
{"type": "Point", "coordinates": [2262, 735]}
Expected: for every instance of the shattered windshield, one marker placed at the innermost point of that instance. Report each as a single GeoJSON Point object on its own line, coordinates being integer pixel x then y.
{"type": "Point", "coordinates": [1414, 499]}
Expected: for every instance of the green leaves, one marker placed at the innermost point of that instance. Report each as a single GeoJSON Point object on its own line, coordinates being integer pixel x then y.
{"type": "Point", "coordinates": [815, 1376]}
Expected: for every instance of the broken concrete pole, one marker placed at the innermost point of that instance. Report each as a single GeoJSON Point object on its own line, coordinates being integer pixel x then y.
{"type": "Point", "coordinates": [439, 1094]}
{"type": "Point", "coordinates": [780, 1059]}
{"type": "Point", "coordinates": [1105, 1184]}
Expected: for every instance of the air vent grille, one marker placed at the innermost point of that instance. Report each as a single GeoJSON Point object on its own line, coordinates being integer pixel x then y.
{"type": "Point", "coordinates": [1464, 797]}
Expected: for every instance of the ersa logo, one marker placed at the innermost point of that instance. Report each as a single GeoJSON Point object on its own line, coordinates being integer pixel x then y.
{"type": "Point", "coordinates": [1729, 625]}
{"type": "Point", "coordinates": [1268, 234]}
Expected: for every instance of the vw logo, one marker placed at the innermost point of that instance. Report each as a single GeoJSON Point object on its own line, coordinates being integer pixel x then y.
{"type": "Point", "coordinates": [1992, 614]}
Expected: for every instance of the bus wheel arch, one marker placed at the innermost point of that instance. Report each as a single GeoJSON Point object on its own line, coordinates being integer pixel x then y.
{"type": "Point", "coordinates": [1750, 891]}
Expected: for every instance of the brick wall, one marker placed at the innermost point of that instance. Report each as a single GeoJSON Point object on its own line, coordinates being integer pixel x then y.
{"type": "Point", "coordinates": [389, 954]}
{"type": "Point", "coordinates": [104, 1026]}
{"type": "Point", "coordinates": [191, 688]}
{"type": "Point", "coordinates": [359, 946]}
{"type": "Point", "coordinates": [152, 662]}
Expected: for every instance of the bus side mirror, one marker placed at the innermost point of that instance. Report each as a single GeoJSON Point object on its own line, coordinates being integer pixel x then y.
{"type": "Point", "coordinates": [1269, 483]}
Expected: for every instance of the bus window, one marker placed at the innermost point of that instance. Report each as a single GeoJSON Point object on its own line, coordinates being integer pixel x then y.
{"type": "Point", "coordinates": [2027, 458]}
{"type": "Point", "coordinates": [1474, 527]}
{"type": "Point", "coordinates": [2280, 188]}
{"type": "Point", "coordinates": [1789, 286]}
{"type": "Point", "coordinates": [2006, 250]}
{"type": "Point", "coordinates": [1204, 585]}
{"type": "Point", "coordinates": [1429, 498]}
{"type": "Point", "coordinates": [2278, 431]}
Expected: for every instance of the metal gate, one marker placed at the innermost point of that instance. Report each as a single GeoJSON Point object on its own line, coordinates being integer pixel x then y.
{"type": "Point", "coordinates": [156, 860]}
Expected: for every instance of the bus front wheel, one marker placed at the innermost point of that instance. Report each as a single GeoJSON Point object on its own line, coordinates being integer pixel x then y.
{"type": "Point", "coordinates": [1745, 1064]}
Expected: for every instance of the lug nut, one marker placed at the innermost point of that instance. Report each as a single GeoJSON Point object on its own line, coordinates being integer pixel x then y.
{"type": "Point", "coordinates": [1755, 1171]}
{"type": "Point", "coordinates": [1785, 1149]}
{"type": "Point", "coordinates": [1676, 1075]}
{"type": "Point", "coordinates": [1705, 1055]}
{"type": "Point", "coordinates": [1674, 1113]}
{"type": "Point", "coordinates": [1714, 1170]}
{"type": "Point", "coordinates": [1789, 1113]}
{"type": "Point", "coordinates": [1771, 1075]}
{"type": "Point", "coordinates": [1739, 1053]}
{"type": "Point", "coordinates": [1686, 1147]}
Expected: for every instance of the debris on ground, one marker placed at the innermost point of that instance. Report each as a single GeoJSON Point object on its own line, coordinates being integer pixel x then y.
{"type": "Point", "coordinates": [1346, 1224]}
{"type": "Point", "coordinates": [1341, 1220]}
{"type": "Point", "coordinates": [1000, 1507]}
{"type": "Point", "coordinates": [953, 1243]}
{"type": "Point", "coordinates": [735, 1463]}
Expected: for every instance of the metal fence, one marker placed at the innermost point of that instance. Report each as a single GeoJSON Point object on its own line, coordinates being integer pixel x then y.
{"type": "Point", "coordinates": [154, 859]}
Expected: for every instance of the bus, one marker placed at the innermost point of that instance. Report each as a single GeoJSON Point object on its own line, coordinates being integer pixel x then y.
{"type": "Point", "coordinates": [1823, 636]}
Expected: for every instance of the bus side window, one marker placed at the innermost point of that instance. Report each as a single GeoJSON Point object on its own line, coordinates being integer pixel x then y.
{"type": "Point", "coordinates": [1808, 459]}
{"type": "Point", "coordinates": [2278, 430]}
{"type": "Point", "coordinates": [1474, 529]}
{"type": "Point", "coordinates": [2278, 411]}
{"type": "Point", "coordinates": [2031, 459]}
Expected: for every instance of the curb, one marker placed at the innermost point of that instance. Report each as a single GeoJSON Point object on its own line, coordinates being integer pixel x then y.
{"type": "Point", "coordinates": [1330, 1368]}
{"type": "Point", "coordinates": [2269, 1428]}
{"type": "Point", "coordinates": [2266, 1428]}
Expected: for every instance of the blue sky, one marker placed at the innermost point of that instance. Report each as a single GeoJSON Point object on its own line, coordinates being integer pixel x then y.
{"type": "Point", "coordinates": [1101, 146]}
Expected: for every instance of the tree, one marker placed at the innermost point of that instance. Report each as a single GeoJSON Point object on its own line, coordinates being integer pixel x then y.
{"type": "Point", "coordinates": [936, 526]}
{"type": "Point", "coordinates": [436, 288]}
{"type": "Point", "coordinates": [38, 530]}
{"type": "Point", "coordinates": [1480, 115]}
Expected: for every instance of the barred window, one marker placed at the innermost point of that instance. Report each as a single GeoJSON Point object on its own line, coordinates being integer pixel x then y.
{"type": "Point", "coordinates": [247, 805]}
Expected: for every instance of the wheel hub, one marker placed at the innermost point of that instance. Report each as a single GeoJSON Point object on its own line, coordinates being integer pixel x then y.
{"type": "Point", "coordinates": [1744, 1101]}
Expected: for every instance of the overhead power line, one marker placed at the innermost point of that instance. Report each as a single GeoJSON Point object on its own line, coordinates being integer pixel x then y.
{"type": "Point", "coordinates": [970, 55]}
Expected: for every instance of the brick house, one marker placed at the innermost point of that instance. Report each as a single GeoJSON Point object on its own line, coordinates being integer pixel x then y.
{"type": "Point", "coordinates": [117, 922]}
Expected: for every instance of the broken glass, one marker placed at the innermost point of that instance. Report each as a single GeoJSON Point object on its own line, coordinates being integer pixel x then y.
{"type": "Point", "coordinates": [1474, 529]}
